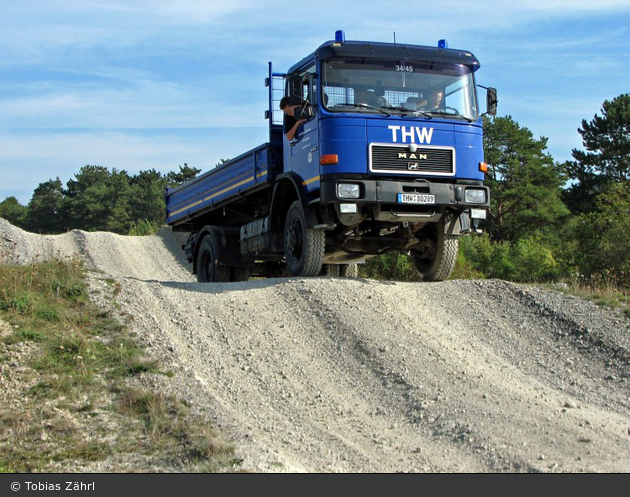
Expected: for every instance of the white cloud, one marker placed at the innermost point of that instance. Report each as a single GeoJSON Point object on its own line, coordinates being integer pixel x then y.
{"type": "Point", "coordinates": [158, 107]}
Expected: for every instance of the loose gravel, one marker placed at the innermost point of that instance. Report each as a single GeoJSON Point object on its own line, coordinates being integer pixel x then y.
{"type": "Point", "coordinates": [355, 375]}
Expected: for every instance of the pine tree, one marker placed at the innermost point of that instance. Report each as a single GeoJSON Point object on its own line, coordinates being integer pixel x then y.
{"type": "Point", "coordinates": [13, 211]}
{"type": "Point", "coordinates": [185, 174]}
{"type": "Point", "coordinates": [99, 200]}
{"type": "Point", "coordinates": [525, 183]}
{"type": "Point", "coordinates": [606, 158]}
{"type": "Point", "coordinates": [45, 210]}
{"type": "Point", "coordinates": [147, 200]}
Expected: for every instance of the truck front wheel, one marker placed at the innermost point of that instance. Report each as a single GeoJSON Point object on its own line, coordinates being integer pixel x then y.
{"type": "Point", "coordinates": [435, 260]}
{"type": "Point", "coordinates": [303, 247]}
{"type": "Point", "coordinates": [208, 269]}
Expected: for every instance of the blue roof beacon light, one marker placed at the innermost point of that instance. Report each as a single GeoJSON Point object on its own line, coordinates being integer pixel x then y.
{"type": "Point", "coordinates": [442, 44]}
{"type": "Point", "coordinates": [340, 36]}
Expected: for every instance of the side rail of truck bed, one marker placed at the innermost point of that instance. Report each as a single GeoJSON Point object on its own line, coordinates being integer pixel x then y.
{"type": "Point", "coordinates": [220, 185]}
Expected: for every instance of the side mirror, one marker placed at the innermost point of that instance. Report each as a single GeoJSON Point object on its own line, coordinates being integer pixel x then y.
{"type": "Point", "coordinates": [304, 112]}
{"type": "Point", "coordinates": [491, 101]}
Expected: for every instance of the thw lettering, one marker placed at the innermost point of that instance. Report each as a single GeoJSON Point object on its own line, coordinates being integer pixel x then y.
{"type": "Point", "coordinates": [409, 135]}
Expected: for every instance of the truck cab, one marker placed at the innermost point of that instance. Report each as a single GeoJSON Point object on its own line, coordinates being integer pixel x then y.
{"type": "Point", "coordinates": [392, 148]}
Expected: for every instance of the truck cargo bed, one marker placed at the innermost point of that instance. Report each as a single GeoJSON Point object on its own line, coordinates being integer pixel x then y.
{"type": "Point", "coordinates": [225, 184]}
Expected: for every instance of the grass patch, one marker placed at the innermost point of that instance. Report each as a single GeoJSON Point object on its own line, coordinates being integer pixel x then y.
{"type": "Point", "coordinates": [168, 424]}
{"type": "Point", "coordinates": [24, 335]}
{"type": "Point", "coordinates": [70, 404]}
{"type": "Point", "coordinates": [602, 293]}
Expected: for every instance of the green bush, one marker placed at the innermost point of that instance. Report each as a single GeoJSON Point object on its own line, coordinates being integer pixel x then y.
{"type": "Point", "coordinates": [602, 238]}
{"type": "Point", "coordinates": [527, 260]}
{"type": "Point", "coordinates": [392, 266]}
{"type": "Point", "coordinates": [464, 268]}
{"type": "Point", "coordinates": [143, 227]}
{"type": "Point", "coordinates": [534, 261]}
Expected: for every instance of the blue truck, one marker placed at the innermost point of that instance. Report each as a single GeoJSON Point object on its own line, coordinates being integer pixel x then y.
{"type": "Point", "coordinates": [389, 156]}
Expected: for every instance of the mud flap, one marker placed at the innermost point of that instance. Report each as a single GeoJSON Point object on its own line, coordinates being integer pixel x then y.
{"type": "Point", "coordinates": [457, 225]}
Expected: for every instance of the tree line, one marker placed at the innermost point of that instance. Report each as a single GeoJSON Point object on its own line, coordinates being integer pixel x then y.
{"type": "Point", "coordinates": [98, 199]}
{"type": "Point", "coordinates": [548, 221]}
{"type": "Point", "coordinates": [540, 229]}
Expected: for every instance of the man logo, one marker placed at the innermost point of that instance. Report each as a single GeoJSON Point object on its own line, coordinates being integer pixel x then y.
{"type": "Point", "coordinates": [405, 155]}
{"type": "Point", "coordinates": [413, 166]}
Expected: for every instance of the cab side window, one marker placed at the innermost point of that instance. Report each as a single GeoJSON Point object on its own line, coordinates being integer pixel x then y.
{"type": "Point", "coordinates": [309, 89]}
{"type": "Point", "coordinates": [304, 86]}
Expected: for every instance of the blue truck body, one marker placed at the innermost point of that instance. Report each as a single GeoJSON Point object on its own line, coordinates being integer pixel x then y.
{"type": "Point", "coordinates": [219, 185]}
{"type": "Point", "coordinates": [389, 157]}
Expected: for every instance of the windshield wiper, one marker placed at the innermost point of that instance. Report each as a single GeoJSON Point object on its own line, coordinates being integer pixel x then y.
{"type": "Point", "coordinates": [363, 106]}
{"type": "Point", "coordinates": [410, 111]}
{"type": "Point", "coordinates": [454, 113]}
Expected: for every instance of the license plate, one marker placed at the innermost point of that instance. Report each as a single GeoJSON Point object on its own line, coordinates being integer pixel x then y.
{"type": "Point", "coordinates": [415, 198]}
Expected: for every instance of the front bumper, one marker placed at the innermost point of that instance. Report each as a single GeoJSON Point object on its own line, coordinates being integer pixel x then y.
{"type": "Point", "coordinates": [380, 198]}
{"type": "Point", "coordinates": [386, 192]}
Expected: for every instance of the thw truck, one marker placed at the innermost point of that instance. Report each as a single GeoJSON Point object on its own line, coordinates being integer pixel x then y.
{"type": "Point", "coordinates": [389, 157]}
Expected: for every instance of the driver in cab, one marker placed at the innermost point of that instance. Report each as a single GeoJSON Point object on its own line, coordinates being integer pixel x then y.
{"type": "Point", "coordinates": [434, 101]}
{"type": "Point", "coordinates": [290, 124]}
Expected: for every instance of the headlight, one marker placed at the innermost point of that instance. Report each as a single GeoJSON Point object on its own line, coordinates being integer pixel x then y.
{"type": "Point", "coordinates": [348, 190]}
{"type": "Point", "coordinates": [475, 196]}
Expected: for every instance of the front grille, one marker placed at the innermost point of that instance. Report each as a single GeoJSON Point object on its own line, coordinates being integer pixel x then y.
{"type": "Point", "coordinates": [423, 161]}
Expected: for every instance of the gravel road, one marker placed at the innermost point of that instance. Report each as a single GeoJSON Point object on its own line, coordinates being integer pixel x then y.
{"type": "Point", "coordinates": [355, 375]}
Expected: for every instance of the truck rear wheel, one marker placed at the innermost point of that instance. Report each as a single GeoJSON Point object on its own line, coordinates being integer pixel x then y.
{"type": "Point", "coordinates": [303, 247]}
{"type": "Point", "coordinates": [436, 260]}
{"type": "Point", "coordinates": [349, 270]}
{"type": "Point", "coordinates": [330, 270]}
{"type": "Point", "coordinates": [208, 268]}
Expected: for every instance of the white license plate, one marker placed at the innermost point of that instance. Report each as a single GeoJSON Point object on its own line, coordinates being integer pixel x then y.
{"type": "Point", "coordinates": [415, 198]}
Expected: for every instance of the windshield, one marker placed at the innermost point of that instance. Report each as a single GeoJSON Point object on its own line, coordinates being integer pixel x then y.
{"type": "Point", "coordinates": [428, 89]}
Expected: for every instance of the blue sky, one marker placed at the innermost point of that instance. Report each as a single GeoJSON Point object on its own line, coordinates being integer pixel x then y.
{"type": "Point", "coordinates": [136, 85]}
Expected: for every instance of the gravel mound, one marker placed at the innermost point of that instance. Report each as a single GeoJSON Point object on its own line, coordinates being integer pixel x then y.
{"type": "Point", "coordinates": [355, 375]}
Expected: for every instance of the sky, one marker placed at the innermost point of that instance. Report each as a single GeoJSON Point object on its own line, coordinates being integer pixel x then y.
{"type": "Point", "coordinates": [153, 84]}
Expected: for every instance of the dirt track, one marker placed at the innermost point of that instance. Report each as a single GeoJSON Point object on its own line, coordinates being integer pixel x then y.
{"type": "Point", "coordinates": [353, 375]}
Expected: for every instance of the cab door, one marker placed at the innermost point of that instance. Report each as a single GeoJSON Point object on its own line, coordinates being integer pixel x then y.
{"type": "Point", "coordinates": [301, 155]}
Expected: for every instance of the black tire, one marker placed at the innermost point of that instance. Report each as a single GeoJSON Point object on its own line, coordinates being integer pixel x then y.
{"type": "Point", "coordinates": [239, 274]}
{"type": "Point", "coordinates": [330, 270]}
{"type": "Point", "coordinates": [208, 268]}
{"type": "Point", "coordinates": [303, 247]}
{"type": "Point", "coordinates": [438, 258]}
{"type": "Point", "coordinates": [349, 270]}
